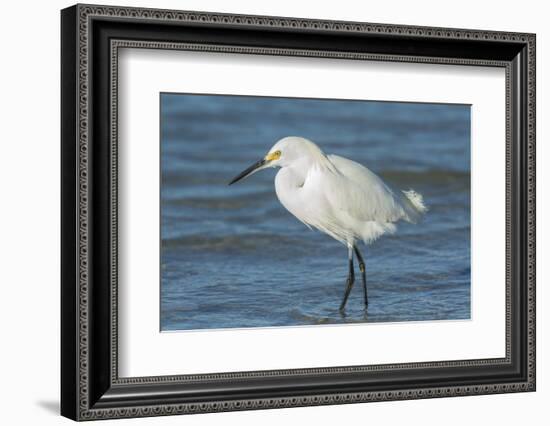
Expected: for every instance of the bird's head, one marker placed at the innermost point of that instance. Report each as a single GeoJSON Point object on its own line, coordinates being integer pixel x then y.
{"type": "Point", "coordinates": [284, 153]}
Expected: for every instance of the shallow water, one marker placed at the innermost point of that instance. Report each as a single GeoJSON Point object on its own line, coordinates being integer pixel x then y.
{"type": "Point", "coordinates": [234, 257]}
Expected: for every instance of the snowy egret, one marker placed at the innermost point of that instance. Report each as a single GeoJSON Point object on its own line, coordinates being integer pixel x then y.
{"type": "Point", "coordinates": [337, 196]}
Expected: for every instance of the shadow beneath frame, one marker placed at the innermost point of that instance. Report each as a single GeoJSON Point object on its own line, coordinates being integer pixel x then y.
{"type": "Point", "coordinates": [50, 406]}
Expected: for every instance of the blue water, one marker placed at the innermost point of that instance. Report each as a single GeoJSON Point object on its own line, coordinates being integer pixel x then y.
{"type": "Point", "coordinates": [232, 256]}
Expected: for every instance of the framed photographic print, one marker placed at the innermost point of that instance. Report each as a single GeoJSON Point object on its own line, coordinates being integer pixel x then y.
{"type": "Point", "coordinates": [263, 212]}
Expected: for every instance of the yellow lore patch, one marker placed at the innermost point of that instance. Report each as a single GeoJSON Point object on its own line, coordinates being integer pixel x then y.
{"type": "Point", "coordinates": [272, 156]}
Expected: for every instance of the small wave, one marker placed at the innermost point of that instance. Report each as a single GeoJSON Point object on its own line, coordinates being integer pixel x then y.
{"type": "Point", "coordinates": [331, 317]}
{"type": "Point", "coordinates": [217, 202]}
{"type": "Point", "coordinates": [431, 177]}
{"type": "Point", "coordinates": [250, 242]}
{"type": "Point", "coordinates": [210, 203]}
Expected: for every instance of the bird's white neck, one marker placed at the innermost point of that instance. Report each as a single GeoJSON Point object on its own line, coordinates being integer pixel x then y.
{"type": "Point", "coordinates": [295, 174]}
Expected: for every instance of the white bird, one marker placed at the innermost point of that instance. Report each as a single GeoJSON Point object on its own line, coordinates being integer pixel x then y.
{"type": "Point", "coordinates": [337, 196]}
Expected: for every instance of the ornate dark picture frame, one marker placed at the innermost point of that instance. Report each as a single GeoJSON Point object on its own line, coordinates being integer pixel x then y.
{"type": "Point", "coordinates": [90, 385]}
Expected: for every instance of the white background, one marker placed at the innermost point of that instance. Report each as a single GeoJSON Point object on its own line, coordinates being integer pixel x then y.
{"type": "Point", "coordinates": [29, 225]}
{"type": "Point", "coordinates": [146, 352]}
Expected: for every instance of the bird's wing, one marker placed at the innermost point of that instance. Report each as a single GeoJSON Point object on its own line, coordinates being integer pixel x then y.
{"type": "Point", "coordinates": [360, 193]}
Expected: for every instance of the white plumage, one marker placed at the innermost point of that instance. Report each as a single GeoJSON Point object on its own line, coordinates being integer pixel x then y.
{"type": "Point", "coordinates": [339, 196]}
{"type": "Point", "coordinates": [336, 195]}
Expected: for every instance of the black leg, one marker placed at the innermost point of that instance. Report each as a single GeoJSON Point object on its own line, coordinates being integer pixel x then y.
{"type": "Point", "coordinates": [363, 273]}
{"type": "Point", "coordinates": [349, 281]}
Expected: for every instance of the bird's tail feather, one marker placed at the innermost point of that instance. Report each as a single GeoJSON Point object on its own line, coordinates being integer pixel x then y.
{"type": "Point", "coordinates": [414, 205]}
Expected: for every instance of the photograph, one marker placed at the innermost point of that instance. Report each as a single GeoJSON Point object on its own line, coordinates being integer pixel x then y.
{"type": "Point", "coordinates": [279, 211]}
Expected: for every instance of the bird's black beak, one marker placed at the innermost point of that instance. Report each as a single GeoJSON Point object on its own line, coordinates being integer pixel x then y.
{"type": "Point", "coordinates": [253, 168]}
